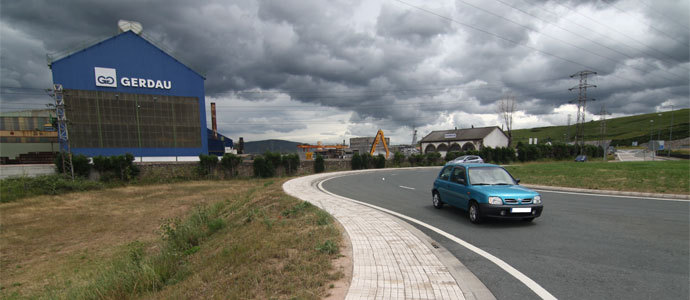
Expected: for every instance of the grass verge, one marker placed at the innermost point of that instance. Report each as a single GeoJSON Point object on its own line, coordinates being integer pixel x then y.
{"type": "Point", "coordinates": [672, 177]}
{"type": "Point", "coordinates": [238, 239]}
{"type": "Point", "coordinates": [12, 189]}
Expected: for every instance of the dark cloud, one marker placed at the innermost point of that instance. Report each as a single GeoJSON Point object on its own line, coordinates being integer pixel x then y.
{"type": "Point", "coordinates": [377, 64]}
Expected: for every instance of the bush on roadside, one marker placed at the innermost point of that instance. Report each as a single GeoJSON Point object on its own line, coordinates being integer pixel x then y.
{"type": "Point", "coordinates": [319, 164]}
{"type": "Point", "coordinates": [290, 163]}
{"type": "Point", "coordinates": [120, 167]}
{"type": "Point", "coordinates": [207, 163]}
{"type": "Point", "coordinates": [15, 188]}
{"type": "Point", "coordinates": [366, 161]}
{"type": "Point", "coordinates": [398, 158]}
{"type": "Point", "coordinates": [262, 167]}
{"type": "Point", "coordinates": [80, 164]}
{"type": "Point", "coordinates": [380, 161]}
{"type": "Point", "coordinates": [356, 161]}
{"type": "Point", "coordinates": [230, 162]}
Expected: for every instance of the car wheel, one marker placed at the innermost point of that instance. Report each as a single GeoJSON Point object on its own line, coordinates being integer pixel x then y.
{"type": "Point", "coordinates": [528, 219]}
{"type": "Point", "coordinates": [436, 200]}
{"type": "Point", "coordinates": [474, 214]}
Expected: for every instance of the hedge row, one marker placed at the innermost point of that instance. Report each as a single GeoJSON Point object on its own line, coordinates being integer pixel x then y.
{"type": "Point", "coordinates": [265, 165]}
{"type": "Point", "coordinates": [119, 167]}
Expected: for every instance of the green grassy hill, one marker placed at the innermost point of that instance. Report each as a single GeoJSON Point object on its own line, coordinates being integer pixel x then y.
{"type": "Point", "coordinates": [622, 131]}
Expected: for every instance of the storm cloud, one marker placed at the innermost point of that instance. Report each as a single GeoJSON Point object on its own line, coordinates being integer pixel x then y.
{"type": "Point", "coordinates": [329, 70]}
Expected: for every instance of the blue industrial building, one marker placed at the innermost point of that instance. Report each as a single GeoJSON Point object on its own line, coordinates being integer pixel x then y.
{"type": "Point", "coordinates": [126, 95]}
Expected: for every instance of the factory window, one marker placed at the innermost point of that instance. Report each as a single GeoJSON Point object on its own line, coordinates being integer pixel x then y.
{"type": "Point", "coordinates": [120, 120]}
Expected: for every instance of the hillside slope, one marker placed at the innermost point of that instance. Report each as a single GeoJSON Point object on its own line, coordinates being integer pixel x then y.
{"type": "Point", "coordinates": [622, 131]}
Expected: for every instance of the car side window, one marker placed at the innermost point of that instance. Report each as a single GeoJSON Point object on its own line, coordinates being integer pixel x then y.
{"type": "Point", "coordinates": [459, 175]}
{"type": "Point", "coordinates": [445, 174]}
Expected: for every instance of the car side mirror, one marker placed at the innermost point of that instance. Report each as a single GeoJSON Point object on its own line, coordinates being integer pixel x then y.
{"type": "Point", "coordinates": [517, 180]}
{"type": "Point", "coordinates": [461, 180]}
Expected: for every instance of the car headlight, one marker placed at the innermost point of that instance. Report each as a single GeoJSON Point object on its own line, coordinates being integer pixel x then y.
{"type": "Point", "coordinates": [537, 199]}
{"type": "Point", "coordinates": [495, 200]}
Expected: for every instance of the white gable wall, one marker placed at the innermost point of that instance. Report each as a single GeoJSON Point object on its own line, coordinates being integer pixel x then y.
{"type": "Point", "coordinates": [496, 139]}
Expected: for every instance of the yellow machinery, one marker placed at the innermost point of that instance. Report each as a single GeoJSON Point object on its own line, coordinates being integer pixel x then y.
{"type": "Point", "coordinates": [318, 147]}
{"type": "Point", "coordinates": [379, 137]}
{"type": "Point", "coordinates": [27, 133]}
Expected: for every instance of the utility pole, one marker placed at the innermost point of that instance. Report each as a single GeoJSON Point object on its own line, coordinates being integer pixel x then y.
{"type": "Point", "coordinates": [602, 122]}
{"type": "Point", "coordinates": [581, 106]}
{"type": "Point", "coordinates": [63, 135]}
{"type": "Point", "coordinates": [670, 133]}
{"type": "Point", "coordinates": [651, 132]}
{"type": "Point", "coordinates": [567, 130]}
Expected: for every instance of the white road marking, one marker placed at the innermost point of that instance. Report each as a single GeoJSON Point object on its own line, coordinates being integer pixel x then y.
{"type": "Point", "coordinates": [616, 196]}
{"type": "Point", "coordinates": [406, 187]}
{"type": "Point", "coordinates": [531, 284]}
{"type": "Point", "coordinates": [383, 178]}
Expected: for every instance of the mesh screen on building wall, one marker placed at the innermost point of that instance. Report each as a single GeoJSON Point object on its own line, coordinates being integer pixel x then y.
{"type": "Point", "coordinates": [119, 120]}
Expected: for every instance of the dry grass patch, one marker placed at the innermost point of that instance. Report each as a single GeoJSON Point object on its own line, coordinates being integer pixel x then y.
{"type": "Point", "coordinates": [221, 239]}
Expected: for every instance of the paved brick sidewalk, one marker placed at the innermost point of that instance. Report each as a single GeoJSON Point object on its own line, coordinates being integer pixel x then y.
{"type": "Point", "coordinates": [389, 261]}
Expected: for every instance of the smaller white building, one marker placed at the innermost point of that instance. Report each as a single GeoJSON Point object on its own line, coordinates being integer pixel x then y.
{"type": "Point", "coordinates": [444, 141]}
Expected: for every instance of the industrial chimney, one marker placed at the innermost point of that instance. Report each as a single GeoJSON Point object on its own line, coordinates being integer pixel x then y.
{"type": "Point", "coordinates": [214, 126]}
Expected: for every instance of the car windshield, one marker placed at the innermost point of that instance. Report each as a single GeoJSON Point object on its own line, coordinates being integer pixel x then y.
{"type": "Point", "coordinates": [490, 176]}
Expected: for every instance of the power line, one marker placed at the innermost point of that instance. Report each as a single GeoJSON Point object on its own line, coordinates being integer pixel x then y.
{"type": "Point", "coordinates": [647, 24]}
{"type": "Point", "coordinates": [581, 36]}
{"type": "Point", "coordinates": [666, 17]}
{"type": "Point", "coordinates": [516, 43]}
{"type": "Point", "coordinates": [555, 38]}
{"type": "Point", "coordinates": [612, 29]}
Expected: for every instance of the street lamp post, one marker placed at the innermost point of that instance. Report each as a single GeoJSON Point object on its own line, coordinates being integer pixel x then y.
{"type": "Point", "coordinates": [670, 133]}
{"type": "Point", "coordinates": [651, 133]}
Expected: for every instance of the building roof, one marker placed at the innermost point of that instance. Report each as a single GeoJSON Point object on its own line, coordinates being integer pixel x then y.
{"type": "Point", "coordinates": [468, 134]}
{"type": "Point", "coordinates": [57, 56]}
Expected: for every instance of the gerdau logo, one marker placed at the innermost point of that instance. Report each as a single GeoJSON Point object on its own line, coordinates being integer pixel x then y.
{"type": "Point", "coordinates": [107, 77]}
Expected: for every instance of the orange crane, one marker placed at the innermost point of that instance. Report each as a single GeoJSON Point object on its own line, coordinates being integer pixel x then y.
{"type": "Point", "coordinates": [318, 147]}
{"type": "Point", "coordinates": [379, 137]}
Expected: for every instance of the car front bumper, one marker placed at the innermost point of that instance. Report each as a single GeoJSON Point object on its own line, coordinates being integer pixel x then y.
{"type": "Point", "coordinates": [507, 211]}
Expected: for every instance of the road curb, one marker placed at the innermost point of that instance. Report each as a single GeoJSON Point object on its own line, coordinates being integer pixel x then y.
{"type": "Point", "coordinates": [607, 192]}
{"type": "Point", "coordinates": [391, 258]}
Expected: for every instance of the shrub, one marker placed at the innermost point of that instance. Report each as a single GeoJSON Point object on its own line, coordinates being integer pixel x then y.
{"type": "Point", "coordinates": [229, 162]}
{"type": "Point", "coordinates": [80, 164]}
{"type": "Point", "coordinates": [416, 159]}
{"type": "Point", "coordinates": [366, 160]}
{"type": "Point", "coordinates": [263, 168]}
{"type": "Point", "coordinates": [290, 163]}
{"type": "Point", "coordinates": [207, 163]}
{"type": "Point", "coordinates": [318, 164]}
{"type": "Point", "coordinates": [356, 161]}
{"type": "Point", "coordinates": [380, 161]}
{"type": "Point", "coordinates": [431, 159]}
{"type": "Point", "coordinates": [453, 155]}
{"type": "Point", "coordinates": [15, 188]}
{"type": "Point", "coordinates": [398, 158]}
{"type": "Point", "coordinates": [119, 166]}
{"type": "Point", "coordinates": [274, 158]}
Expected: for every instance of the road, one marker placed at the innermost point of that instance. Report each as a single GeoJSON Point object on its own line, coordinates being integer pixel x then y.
{"type": "Point", "coordinates": [582, 247]}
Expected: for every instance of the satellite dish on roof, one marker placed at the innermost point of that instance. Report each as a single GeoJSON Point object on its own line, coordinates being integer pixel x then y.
{"type": "Point", "coordinates": [125, 26]}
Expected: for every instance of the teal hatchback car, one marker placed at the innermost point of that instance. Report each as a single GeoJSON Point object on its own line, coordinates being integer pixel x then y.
{"type": "Point", "coordinates": [485, 190]}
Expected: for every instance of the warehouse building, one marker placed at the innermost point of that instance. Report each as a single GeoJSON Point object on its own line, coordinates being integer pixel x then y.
{"type": "Point", "coordinates": [126, 95]}
{"type": "Point", "coordinates": [363, 145]}
{"type": "Point", "coordinates": [27, 137]}
{"type": "Point", "coordinates": [444, 141]}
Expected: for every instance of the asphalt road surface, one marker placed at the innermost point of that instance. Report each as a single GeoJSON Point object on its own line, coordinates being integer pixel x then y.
{"type": "Point", "coordinates": [582, 247]}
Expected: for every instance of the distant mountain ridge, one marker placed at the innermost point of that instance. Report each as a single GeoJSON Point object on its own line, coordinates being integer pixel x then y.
{"type": "Point", "coordinates": [280, 146]}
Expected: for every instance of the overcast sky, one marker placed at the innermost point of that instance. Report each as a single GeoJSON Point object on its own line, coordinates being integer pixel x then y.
{"type": "Point", "coordinates": [314, 70]}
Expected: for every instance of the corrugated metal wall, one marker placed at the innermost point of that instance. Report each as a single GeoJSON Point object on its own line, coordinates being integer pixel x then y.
{"type": "Point", "coordinates": [122, 120]}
